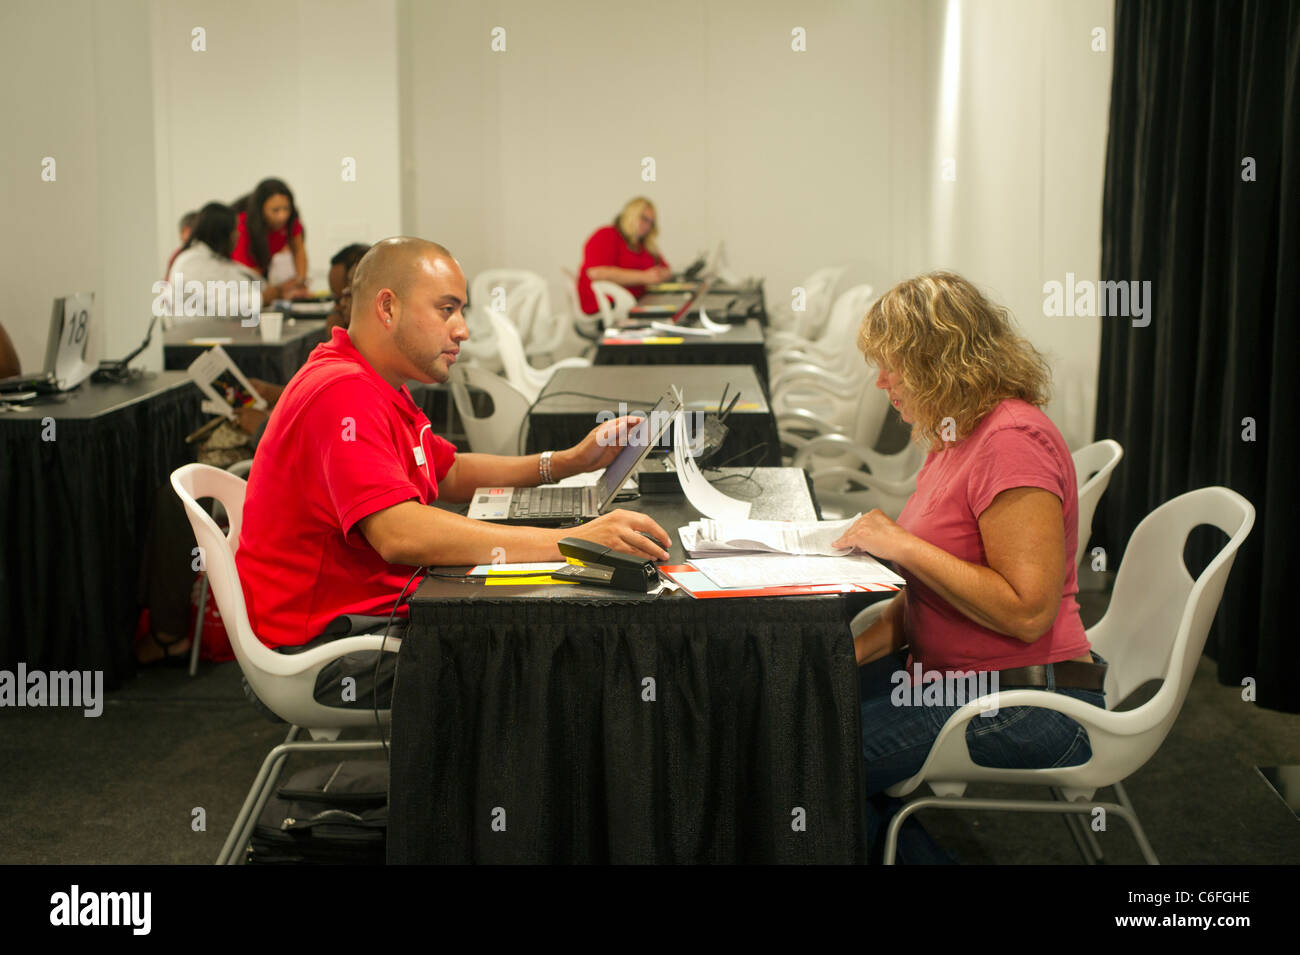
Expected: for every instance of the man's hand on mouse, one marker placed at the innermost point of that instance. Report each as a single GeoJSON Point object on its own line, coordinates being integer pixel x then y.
{"type": "Point", "coordinates": [626, 531]}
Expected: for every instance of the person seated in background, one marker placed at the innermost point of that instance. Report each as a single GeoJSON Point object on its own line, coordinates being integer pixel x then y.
{"type": "Point", "coordinates": [186, 228]}
{"type": "Point", "coordinates": [9, 363]}
{"type": "Point", "coordinates": [268, 225]}
{"type": "Point", "coordinates": [337, 513]}
{"type": "Point", "coordinates": [986, 543]}
{"type": "Point", "coordinates": [626, 252]}
{"type": "Point", "coordinates": [341, 268]}
{"type": "Point", "coordinates": [205, 258]}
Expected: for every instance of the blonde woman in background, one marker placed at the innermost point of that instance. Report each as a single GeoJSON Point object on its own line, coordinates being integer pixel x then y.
{"type": "Point", "coordinates": [626, 252]}
{"type": "Point", "coordinates": [986, 544]}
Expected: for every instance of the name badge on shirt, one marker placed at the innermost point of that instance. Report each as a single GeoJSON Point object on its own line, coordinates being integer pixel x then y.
{"type": "Point", "coordinates": [419, 455]}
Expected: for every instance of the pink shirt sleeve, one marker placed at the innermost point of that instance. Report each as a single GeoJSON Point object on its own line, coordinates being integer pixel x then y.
{"type": "Point", "coordinates": [1015, 456]}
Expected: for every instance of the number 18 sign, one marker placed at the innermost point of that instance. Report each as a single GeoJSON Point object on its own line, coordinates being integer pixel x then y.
{"type": "Point", "coordinates": [71, 356]}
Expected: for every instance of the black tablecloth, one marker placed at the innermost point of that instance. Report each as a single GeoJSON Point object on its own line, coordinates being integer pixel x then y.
{"type": "Point", "coordinates": [742, 346]}
{"type": "Point", "coordinates": [523, 729]}
{"type": "Point", "coordinates": [274, 362]}
{"type": "Point", "coordinates": [75, 516]}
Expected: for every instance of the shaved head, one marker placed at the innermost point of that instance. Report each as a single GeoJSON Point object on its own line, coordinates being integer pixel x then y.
{"type": "Point", "coordinates": [392, 264]}
{"type": "Point", "coordinates": [408, 297]}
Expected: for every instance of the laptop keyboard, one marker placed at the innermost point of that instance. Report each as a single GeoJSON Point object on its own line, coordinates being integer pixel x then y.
{"type": "Point", "coordinates": [541, 503]}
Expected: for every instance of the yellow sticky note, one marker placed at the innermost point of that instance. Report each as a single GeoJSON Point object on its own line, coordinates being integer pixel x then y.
{"type": "Point", "coordinates": [504, 580]}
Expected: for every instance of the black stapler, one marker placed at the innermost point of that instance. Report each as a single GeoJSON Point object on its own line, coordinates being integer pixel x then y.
{"type": "Point", "coordinates": [595, 564]}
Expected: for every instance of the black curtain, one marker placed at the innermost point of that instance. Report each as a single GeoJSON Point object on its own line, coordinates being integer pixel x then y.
{"type": "Point", "coordinates": [1202, 199]}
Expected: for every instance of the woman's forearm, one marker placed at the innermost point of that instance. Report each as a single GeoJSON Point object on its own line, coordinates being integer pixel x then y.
{"type": "Point", "coordinates": [884, 636]}
{"type": "Point", "coordinates": [610, 273]}
{"type": "Point", "coordinates": [978, 592]}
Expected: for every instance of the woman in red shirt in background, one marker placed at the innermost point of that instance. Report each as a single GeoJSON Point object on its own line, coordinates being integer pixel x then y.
{"type": "Point", "coordinates": [626, 252]}
{"type": "Point", "coordinates": [268, 221]}
{"type": "Point", "coordinates": [986, 544]}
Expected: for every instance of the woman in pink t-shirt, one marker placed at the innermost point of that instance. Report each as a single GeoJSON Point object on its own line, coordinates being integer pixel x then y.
{"type": "Point", "coordinates": [986, 544]}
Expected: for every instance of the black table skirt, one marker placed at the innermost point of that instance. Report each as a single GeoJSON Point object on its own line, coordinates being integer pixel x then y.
{"type": "Point", "coordinates": [751, 440]}
{"type": "Point", "coordinates": [275, 362]}
{"type": "Point", "coordinates": [754, 727]}
{"type": "Point", "coordinates": [753, 354]}
{"type": "Point", "coordinates": [74, 515]}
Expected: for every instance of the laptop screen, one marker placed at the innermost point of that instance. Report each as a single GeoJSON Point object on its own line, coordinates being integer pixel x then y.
{"type": "Point", "coordinates": [641, 438]}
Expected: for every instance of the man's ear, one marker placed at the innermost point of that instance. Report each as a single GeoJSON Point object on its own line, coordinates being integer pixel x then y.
{"type": "Point", "coordinates": [389, 308]}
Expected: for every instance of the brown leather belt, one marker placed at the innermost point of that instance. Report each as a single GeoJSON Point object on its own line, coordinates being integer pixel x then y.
{"type": "Point", "coordinates": [1069, 674]}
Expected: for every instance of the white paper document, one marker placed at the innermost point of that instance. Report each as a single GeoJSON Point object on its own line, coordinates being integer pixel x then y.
{"type": "Point", "coordinates": [774, 570]}
{"type": "Point", "coordinates": [704, 497]}
{"type": "Point", "coordinates": [716, 328]}
{"type": "Point", "coordinates": [711, 536]}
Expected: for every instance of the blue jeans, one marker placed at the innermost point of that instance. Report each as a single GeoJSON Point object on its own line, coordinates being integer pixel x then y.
{"type": "Point", "coordinates": [897, 739]}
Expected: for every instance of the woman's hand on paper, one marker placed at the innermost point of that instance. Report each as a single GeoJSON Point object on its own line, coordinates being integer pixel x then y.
{"type": "Point", "coordinates": [876, 534]}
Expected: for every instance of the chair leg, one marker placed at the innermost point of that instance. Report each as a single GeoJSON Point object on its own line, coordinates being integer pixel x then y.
{"type": "Point", "coordinates": [1083, 836]}
{"type": "Point", "coordinates": [1017, 805]}
{"type": "Point", "coordinates": [198, 626]}
{"type": "Point", "coordinates": [1138, 832]}
{"type": "Point", "coordinates": [260, 792]}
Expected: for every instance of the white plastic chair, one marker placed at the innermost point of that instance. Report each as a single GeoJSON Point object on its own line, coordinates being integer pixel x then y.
{"type": "Point", "coordinates": [499, 432]}
{"type": "Point", "coordinates": [1092, 467]}
{"type": "Point", "coordinates": [833, 352]}
{"type": "Point", "coordinates": [851, 478]}
{"type": "Point", "coordinates": [614, 302]}
{"type": "Point", "coordinates": [527, 305]}
{"type": "Point", "coordinates": [284, 682]}
{"type": "Point", "coordinates": [528, 380]}
{"type": "Point", "coordinates": [1154, 629]}
{"type": "Point", "coordinates": [239, 469]}
{"type": "Point", "coordinates": [819, 291]}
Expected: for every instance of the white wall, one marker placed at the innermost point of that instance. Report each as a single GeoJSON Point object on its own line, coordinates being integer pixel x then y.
{"type": "Point", "coordinates": [1029, 144]}
{"type": "Point", "coordinates": [285, 88]}
{"type": "Point", "coordinates": [796, 160]}
{"type": "Point", "coordinates": [76, 86]}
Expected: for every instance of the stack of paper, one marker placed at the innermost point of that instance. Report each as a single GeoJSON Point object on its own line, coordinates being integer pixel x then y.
{"type": "Point", "coordinates": [712, 537]}
{"type": "Point", "coordinates": [776, 570]}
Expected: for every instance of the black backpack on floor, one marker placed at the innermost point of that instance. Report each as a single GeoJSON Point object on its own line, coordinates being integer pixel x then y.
{"type": "Point", "coordinates": [336, 814]}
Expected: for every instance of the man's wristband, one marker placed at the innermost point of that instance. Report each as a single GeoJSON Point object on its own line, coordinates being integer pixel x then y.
{"type": "Point", "coordinates": [544, 468]}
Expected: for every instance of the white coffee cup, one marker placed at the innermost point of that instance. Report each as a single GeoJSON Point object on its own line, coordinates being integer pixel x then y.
{"type": "Point", "coordinates": [271, 323]}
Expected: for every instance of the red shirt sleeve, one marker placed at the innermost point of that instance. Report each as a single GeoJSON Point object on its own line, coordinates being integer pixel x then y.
{"type": "Point", "coordinates": [601, 249]}
{"type": "Point", "coordinates": [1019, 456]}
{"type": "Point", "coordinates": [362, 461]}
{"type": "Point", "coordinates": [297, 228]}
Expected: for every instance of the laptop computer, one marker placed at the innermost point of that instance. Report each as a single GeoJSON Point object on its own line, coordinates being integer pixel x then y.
{"type": "Point", "coordinates": [640, 316]}
{"type": "Point", "coordinates": [558, 506]}
{"type": "Point", "coordinates": [68, 358]}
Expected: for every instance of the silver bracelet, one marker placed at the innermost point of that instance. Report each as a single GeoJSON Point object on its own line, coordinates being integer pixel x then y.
{"type": "Point", "coordinates": [544, 467]}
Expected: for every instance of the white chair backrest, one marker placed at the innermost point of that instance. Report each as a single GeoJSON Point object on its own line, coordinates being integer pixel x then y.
{"type": "Point", "coordinates": [613, 300]}
{"type": "Point", "coordinates": [1093, 465]}
{"type": "Point", "coordinates": [497, 433]}
{"type": "Point", "coordinates": [841, 329]}
{"type": "Point", "coordinates": [284, 682]}
{"type": "Point", "coordinates": [819, 289]}
{"type": "Point", "coordinates": [518, 293]}
{"type": "Point", "coordinates": [511, 348]}
{"type": "Point", "coordinates": [1159, 617]}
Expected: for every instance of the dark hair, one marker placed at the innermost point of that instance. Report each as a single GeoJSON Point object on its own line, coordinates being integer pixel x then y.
{"type": "Point", "coordinates": [251, 205]}
{"type": "Point", "coordinates": [349, 255]}
{"type": "Point", "coordinates": [188, 220]}
{"type": "Point", "coordinates": [215, 228]}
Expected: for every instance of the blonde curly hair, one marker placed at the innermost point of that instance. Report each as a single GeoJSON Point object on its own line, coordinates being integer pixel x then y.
{"type": "Point", "coordinates": [956, 351]}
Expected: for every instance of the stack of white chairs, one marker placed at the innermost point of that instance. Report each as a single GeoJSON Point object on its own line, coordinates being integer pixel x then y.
{"type": "Point", "coordinates": [525, 299]}
{"type": "Point", "coordinates": [819, 293]}
{"type": "Point", "coordinates": [528, 380]}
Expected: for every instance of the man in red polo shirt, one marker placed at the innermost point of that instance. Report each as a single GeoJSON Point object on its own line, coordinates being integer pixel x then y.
{"type": "Point", "coordinates": [335, 515]}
